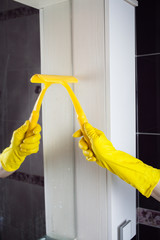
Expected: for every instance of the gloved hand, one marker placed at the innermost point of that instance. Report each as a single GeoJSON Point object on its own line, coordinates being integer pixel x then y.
{"type": "Point", "coordinates": [20, 147]}
{"type": "Point", "coordinates": [128, 168]}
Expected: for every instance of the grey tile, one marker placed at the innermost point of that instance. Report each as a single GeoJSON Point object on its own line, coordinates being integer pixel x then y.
{"type": "Point", "coordinates": [9, 233]}
{"type": "Point", "coordinates": [3, 45]}
{"type": "Point", "coordinates": [36, 162]}
{"type": "Point", "coordinates": [2, 94]}
{"type": "Point", "coordinates": [13, 5]}
{"type": "Point", "coordinates": [3, 88]}
{"type": "Point", "coordinates": [4, 141]}
{"type": "Point", "coordinates": [17, 96]}
{"type": "Point", "coordinates": [18, 200]}
{"type": "Point", "coordinates": [6, 5]}
{"type": "Point", "coordinates": [19, 218]}
{"type": "Point", "coordinates": [33, 29]}
{"type": "Point", "coordinates": [3, 189]}
{"type": "Point", "coordinates": [38, 211]}
{"type": "Point", "coordinates": [25, 211]}
{"type": "Point", "coordinates": [23, 41]}
{"type": "Point", "coordinates": [25, 166]}
{"type": "Point", "coordinates": [17, 35]}
{"type": "Point", "coordinates": [3, 5]}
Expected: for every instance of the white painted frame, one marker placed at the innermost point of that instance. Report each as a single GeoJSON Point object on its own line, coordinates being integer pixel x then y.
{"type": "Point", "coordinates": [98, 48]}
{"type": "Point", "coordinates": [121, 118]}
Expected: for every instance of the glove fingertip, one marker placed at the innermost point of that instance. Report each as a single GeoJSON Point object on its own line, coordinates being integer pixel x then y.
{"type": "Point", "coordinates": [87, 126]}
{"type": "Point", "coordinates": [77, 134]}
{"type": "Point", "coordinates": [37, 129]}
{"type": "Point", "coordinates": [91, 159]}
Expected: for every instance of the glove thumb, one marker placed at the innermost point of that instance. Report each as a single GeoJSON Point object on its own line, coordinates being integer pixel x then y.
{"type": "Point", "coordinates": [90, 131]}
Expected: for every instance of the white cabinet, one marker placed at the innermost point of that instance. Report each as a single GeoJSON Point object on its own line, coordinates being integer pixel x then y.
{"type": "Point", "coordinates": [94, 40]}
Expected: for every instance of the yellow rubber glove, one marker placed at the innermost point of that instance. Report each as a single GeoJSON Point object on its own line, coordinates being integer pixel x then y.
{"type": "Point", "coordinates": [128, 168]}
{"type": "Point", "coordinates": [20, 147]}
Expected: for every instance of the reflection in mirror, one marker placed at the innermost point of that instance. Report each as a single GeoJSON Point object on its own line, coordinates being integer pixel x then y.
{"type": "Point", "coordinates": [22, 211]}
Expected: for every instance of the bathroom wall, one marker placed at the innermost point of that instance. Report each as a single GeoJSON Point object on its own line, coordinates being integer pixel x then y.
{"type": "Point", "coordinates": [148, 109]}
{"type": "Point", "coordinates": [22, 214]}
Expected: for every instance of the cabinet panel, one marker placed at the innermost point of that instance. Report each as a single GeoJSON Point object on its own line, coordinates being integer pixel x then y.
{"type": "Point", "coordinates": [89, 68]}
{"type": "Point", "coordinates": [58, 123]}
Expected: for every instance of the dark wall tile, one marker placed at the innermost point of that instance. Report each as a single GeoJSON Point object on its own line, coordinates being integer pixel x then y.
{"type": "Point", "coordinates": [148, 27]}
{"type": "Point", "coordinates": [36, 162]}
{"type": "Point", "coordinates": [148, 85]}
{"type": "Point", "coordinates": [17, 36]}
{"type": "Point", "coordinates": [149, 203]}
{"type": "Point", "coordinates": [38, 210]}
{"type": "Point", "coordinates": [9, 4]}
{"type": "Point", "coordinates": [148, 233]}
{"type": "Point", "coordinates": [13, 4]}
{"type": "Point", "coordinates": [149, 150]}
{"type": "Point", "coordinates": [149, 153]}
{"type": "Point", "coordinates": [3, 45]}
{"type": "Point", "coordinates": [26, 166]}
{"type": "Point", "coordinates": [18, 200]}
{"type": "Point", "coordinates": [17, 101]}
{"type": "Point", "coordinates": [23, 213]}
{"type": "Point", "coordinates": [8, 233]}
{"type": "Point", "coordinates": [3, 87]}
{"type": "Point", "coordinates": [7, 128]}
{"type": "Point", "coordinates": [23, 42]}
{"type": "Point", "coordinates": [33, 30]}
{"type": "Point", "coordinates": [3, 5]}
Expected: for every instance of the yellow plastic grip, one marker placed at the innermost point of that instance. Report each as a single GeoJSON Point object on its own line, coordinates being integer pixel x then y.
{"type": "Point", "coordinates": [33, 122]}
{"type": "Point", "coordinates": [34, 117]}
{"type": "Point", "coordinates": [81, 117]}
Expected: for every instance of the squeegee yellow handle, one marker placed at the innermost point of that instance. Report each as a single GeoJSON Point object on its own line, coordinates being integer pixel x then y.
{"type": "Point", "coordinates": [80, 113]}
{"type": "Point", "coordinates": [33, 122]}
{"type": "Point", "coordinates": [34, 117]}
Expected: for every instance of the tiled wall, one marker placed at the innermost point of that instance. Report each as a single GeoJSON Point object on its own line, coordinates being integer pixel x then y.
{"type": "Point", "coordinates": [148, 109]}
{"type": "Point", "coordinates": [22, 214]}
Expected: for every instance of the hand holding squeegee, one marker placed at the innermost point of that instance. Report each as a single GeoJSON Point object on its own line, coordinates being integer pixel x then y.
{"type": "Point", "coordinates": [48, 80]}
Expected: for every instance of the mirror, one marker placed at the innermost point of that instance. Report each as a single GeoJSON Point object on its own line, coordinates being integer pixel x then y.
{"type": "Point", "coordinates": [22, 209]}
